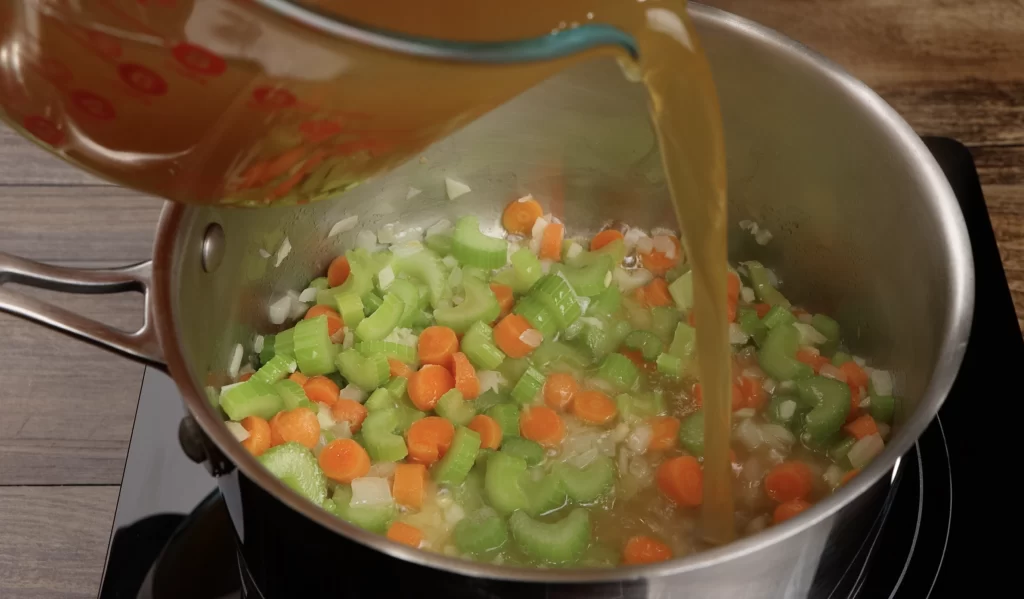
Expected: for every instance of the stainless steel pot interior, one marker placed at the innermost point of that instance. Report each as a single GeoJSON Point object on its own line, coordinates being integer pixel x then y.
{"type": "Point", "coordinates": [865, 228]}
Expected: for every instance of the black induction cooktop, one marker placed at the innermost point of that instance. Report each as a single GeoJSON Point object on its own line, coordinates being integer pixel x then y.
{"type": "Point", "coordinates": [932, 536]}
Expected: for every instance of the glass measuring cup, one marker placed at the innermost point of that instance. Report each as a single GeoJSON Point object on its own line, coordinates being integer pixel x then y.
{"type": "Point", "coordinates": [252, 102]}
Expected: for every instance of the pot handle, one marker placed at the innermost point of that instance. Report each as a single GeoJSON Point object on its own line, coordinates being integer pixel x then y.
{"type": "Point", "coordinates": [142, 345]}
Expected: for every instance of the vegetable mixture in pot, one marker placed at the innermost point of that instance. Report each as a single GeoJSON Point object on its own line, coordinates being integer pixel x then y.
{"type": "Point", "coordinates": [533, 400]}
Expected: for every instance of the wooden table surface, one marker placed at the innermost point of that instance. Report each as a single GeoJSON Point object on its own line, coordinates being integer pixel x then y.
{"type": "Point", "coordinates": [950, 67]}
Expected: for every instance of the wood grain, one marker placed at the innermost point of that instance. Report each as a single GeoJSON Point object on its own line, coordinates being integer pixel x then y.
{"type": "Point", "coordinates": [24, 163]}
{"type": "Point", "coordinates": [54, 540]}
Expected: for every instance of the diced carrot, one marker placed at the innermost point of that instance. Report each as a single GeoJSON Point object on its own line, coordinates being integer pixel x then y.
{"type": "Point", "coordinates": [321, 389]}
{"type": "Point", "coordinates": [428, 384]}
{"type": "Point", "coordinates": [399, 368]}
{"type": "Point", "coordinates": [551, 242]}
{"type": "Point", "coordinates": [405, 534]}
{"type": "Point", "coordinates": [428, 439]}
{"type": "Point", "coordinates": [604, 238]}
{"type": "Point", "coordinates": [862, 427]}
{"type": "Point", "coordinates": [300, 425]}
{"type": "Point", "coordinates": [656, 293]}
{"type": "Point", "coordinates": [785, 511]}
{"type": "Point", "coordinates": [738, 401]}
{"type": "Point", "coordinates": [848, 476]}
{"type": "Point", "coordinates": [645, 550]}
{"type": "Point", "coordinates": [489, 430]}
{"type": "Point", "coordinates": [505, 297]}
{"type": "Point", "coordinates": [543, 425]}
{"type": "Point", "coordinates": [520, 215]}
{"type": "Point", "coordinates": [559, 389]}
{"type": "Point", "coordinates": [409, 485]}
{"type": "Point", "coordinates": [658, 262]}
{"type": "Point", "coordinates": [593, 407]}
{"type": "Point", "coordinates": [762, 309]}
{"type": "Point", "coordinates": [334, 321]}
{"type": "Point", "coordinates": [466, 380]}
{"type": "Point", "coordinates": [681, 480]}
{"type": "Point", "coordinates": [732, 292]}
{"type": "Point", "coordinates": [635, 356]}
{"type": "Point", "coordinates": [259, 435]}
{"type": "Point", "coordinates": [788, 481]}
{"type": "Point", "coordinates": [507, 335]}
{"type": "Point", "coordinates": [753, 393]}
{"type": "Point", "coordinates": [299, 378]}
{"type": "Point", "coordinates": [436, 346]}
{"type": "Point", "coordinates": [338, 271]}
{"type": "Point", "coordinates": [344, 460]}
{"type": "Point", "coordinates": [664, 433]}
{"type": "Point", "coordinates": [245, 376]}
{"type": "Point", "coordinates": [640, 297]}
{"type": "Point", "coordinates": [855, 410]}
{"type": "Point", "coordinates": [812, 358]}
{"type": "Point", "coordinates": [855, 375]}
{"type": "Point", "coordinates": [284, 162]}
{"type": "Point", "coordinates": [350, 411]}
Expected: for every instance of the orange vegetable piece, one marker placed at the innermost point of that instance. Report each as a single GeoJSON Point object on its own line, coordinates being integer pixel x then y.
{"type": "Point", "coordinates": [604, 238]}
{"type": "Point", "coordinates": [681, 480]}
{"type": "Point", "coordinates": [334, 321]}
{"type": "Point", "coordinates": [428, 439]}
{"type": "Point", "coordinates": [505, 297]}
{"type": "Point", "coordinates": [507, 333]}
{"type": "Point", "coordinates": [785, 511]}
{"type": "Point", "coordinates": [488, 429]}
{"type": "Point", "coordinates": [338, 271]}
{"type": "Point", "coordinates": [399, 368]}
{"type": "Point", "coordinates": [551, 242]}
{"type": "Point", "coordinates": [637, 357]}
{"type": "Point", "coordinates": [788, 481]}
{"type": "Point", "coordinates": [299, 378]}
{"type": "Point", "coordinates": [409, 485]}
{"type": "Point", "coordinates": [344, 460]}
{"type": "Point", "coordinates": [863, 426]}
{"type": "Point", "coordinates": [642, 549]}
{"type": "Point", "coordinates": [543, 425]}
{"type": "Point", "coordinates": [259, 435]}
{"type": "Point", "coordinates": [754, 395]}
{"type": "Point", "coordinates": [299, 425]}
{"type": "Point", "coordinates": [559, 389]}
{"type": "Point", "coordinates": [738, 401]}
{"type": "Point", "coordinates": [466, 380]}
{"type": "Point", "coordinates": [321, 389]}
{"type": "Point", "coordinates": [848, 476]}
{"type": "Point", "coordinates": [665, 432]}
{"type": "Point", "coordinates": [245, 376]}
{"type": "Point", "coordinates": [436, 346]}
{"type": "Point", "coordinates": [732, 291]}
{"type": "Point", "coordinates": [520, 215]}
{"type": "Point", "coordinates": [811, 358]}
{"type": "Point", "coordinates": [762, 309]}
{"type": "Point", "coordinates": [658, 262]}
{"type": "Point", "coordinates": [855, 375]}
{"type": "Point", "coordinates": [593, 407]}
{"type": "Point", "coordinates": [283, 162]}
{"type": "Point", "coordinates": [350, 411]}
{"type": "Point", "coordinates": [405, 534]}
{"type": "Point", "coordinates": [855, 410]}
{"type": "Point", "coordinates": [656, 293]}
{"type": "Point", "coordinates": [428, 385]}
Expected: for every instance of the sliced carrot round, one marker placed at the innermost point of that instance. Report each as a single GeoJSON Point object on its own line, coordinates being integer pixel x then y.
{"type": "Point", "coordinates": [399, 368]}
{"type": "Point", "coordinates": [543, 425]}
{"type": "Point", "coordinates": [338, 271]}
{"type": "Point", "coordinates": [259, 435]}
{"type": "Point", "coordinates": [506, 298]}
{"type": "Point", "coordinates": [488, 429]}
{"type": "Point", "coordinates": [642, 549]}
{"type": "Point", "coordinates": [681, 480]}
{"type": "Point", "coordinates": [664, 433]}
{"type": "Point", "coordinates": [428, 384]}
{"type": "Point", "coordinates": [350, 411]}
{"type": "Point", "coordinates": [436, 346]}
{"type": "Point", "coordinates": [299, 378]}
{"type": "Point", "coordinates": [344, 460]}
{"type": "Point", "coordinates": [321, 389]}
{"type": "Point", "coordinates": [299, 425]}
{"type": "Point", "coordinates": [785, 511]}
{"type": "Point", "coordinates": [789, 481]}
{"type": "Point", "coordinates": [604, 238]}
{"type": "Point", "coordinates": [334, 321]}
{"type": "Point", "coordinates": [520, 215]}
{"type": "Point", "coordinates": [409, 485]}
{"type": "Point", "coordinates": [659, 262]}
{"type": "Point", "coordinates": [405, 534]}
{"type": "Point", "coordinates": [551, 241]}
{"type": "Point", "coordinates": [594, 407]}
{"type": "Point", "coordinates": [508, 336]}
{"type": "Point", "coordinates": [559, 389]}
{"type": "Point", "coordinates": [465, 377]}
{"type": "Point", "coordinates": [428, 439]}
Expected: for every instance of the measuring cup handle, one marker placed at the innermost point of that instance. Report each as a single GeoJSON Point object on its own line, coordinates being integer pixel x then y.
{"type": "Point", "coordinates": [141, 345]}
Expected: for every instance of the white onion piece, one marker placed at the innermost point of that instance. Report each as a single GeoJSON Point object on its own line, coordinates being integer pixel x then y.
{"type": "Point", "coordinates": [453, 514]}
{"type": "Point", "coordinates": [640, 469]}
{"type": "Point", "coordinates": [450, 261]}
{"type": "Point", "coordinates": [865, 403]}
{"type": "Point", "coordinates": [344, 225]}
{"type": "Point", "coordinates": [282, 252]}
{"type": "Point", "coordinates": [786, 386]}
{"type": "Point", "coordinates": [665, 245]}
{"type": "Point", "coordinates": [778, 437]}
{"type": "Point", "coordinates": [769, 385]}
{"type": "Point", "coordinates": [440, 227]}
{"type": "Point", "coordinates": [881, 382]}
{"type": "Point", "coordinates": [883, 430]}
{"type": "Point", "coordinates": [597, 323]}
{"type": "Point", "coordinates": [455, 189]}
{"type": "Point", "coordinates": [342, 430]}
{"type": "Point", "coordinates": [748, 434]}
{"type": "Point", "coordinates": [753, 372]}
{"type": "Point", "coordinates": [584, 303]}
{"type": "Point", "coordinates": [808, 334]}
{"type": "Point", "coordinates": [532, 337]}
{"type": "Point", "coordinates": [237, 431]}
{"type": "Point", "coordinates": [264, 253]}
{"type": "Point", "coordinates": [620, 432]}
{"type": "Point", "coordinates": [832, 372]}
{"type": "Point", "coordinates": [545, 265]}
{"type": "Point", "coordinates": [787, 408]}
{"type": "Point", "coordinates": [526, 198]}
{"type": "Point", "coordinates": [747, 294]}
{"type": "Point", "coordinates": [236, 361]}
{"type": "Point", "coordinates": [406, 248]}
{"type": "Point", "coordinates": [404, 336]}
{"type": "Point", "coordinates": [645, 245]}
{"type": "Point", "coordinates": [631, 238]}
{"type": "Point", "coordinates": [257, 344]}
{"type": "Point", "coordinates": [370, 490]}
{"type": "Point", "coordinates": [297, 308]}
{"type": "Point", "coordinates": [325, 417]}
{"type": "Point", "coordinates": [385, 277]}
{"type": "Point", "coordinates": [628, 280]}
{"type": "Point", "coordinates": [348, 338]}
{"type": "Point", "coordinates": [413, 192]}
{"type": "Point", "coordinates": [366, 240]}
{"type": "Point", "coordinates": [382, 470]}
{"type": "Point", "coordinates": [352, 392]}
{"type": "Point", "coordinates": [763, 236]}
{"type": "Point", "coordinates": [757, 524]}
{"type": "Point", "coordinates": [805, 318]}
{"type": "Point", "coordinates": [640, 438]}
{"type": "Point", "coordinates": [574, 250]}
{"type": "Point", "coordinates": [308, 294]}
{"type": "Point", "coordinates": [386, 234]}
{"type": "Point", "coordinates": [623, 460]}
{"type": "Point", "coordinates": [860, 361]}
{"type": "Point", "coordinates": [745, 413]}
{"type": "Point", "coordinates": [490, 380]}
{"type": "Point", "coordinates": [864, 450]}
{"type": "Point", "coordinates": [736, 334]}
{"type": "Point", "coordinates": [582, 460]}
{"type": "Point", "coordinates": [833, 476]}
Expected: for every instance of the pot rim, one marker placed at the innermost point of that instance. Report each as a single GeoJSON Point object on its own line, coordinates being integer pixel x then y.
{"type": "Point", "coordinates": [954, 342]}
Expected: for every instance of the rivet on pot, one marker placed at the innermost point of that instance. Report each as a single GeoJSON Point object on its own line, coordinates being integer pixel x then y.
{"type": "Point", "coordinates": [213, 247]}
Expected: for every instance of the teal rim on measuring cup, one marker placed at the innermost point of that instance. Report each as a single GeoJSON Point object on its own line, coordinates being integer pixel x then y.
{"type": "Point", "coordinates": [547, 47]}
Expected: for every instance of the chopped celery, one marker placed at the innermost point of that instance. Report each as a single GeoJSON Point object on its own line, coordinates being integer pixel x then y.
{"type": "Point", "coordinates": [297, 468]}
{"type": "Point", "coordinates": [359, 281]}
{"type": "Point", "coordinates": [761, 283]}
{"type": "Point", "coordinates": [479, 305]}
{"type": "Point", "coordinates": [350, 307]}
{"type": "Point", "coordinates": [587, 484]}
{"type": "Point", "coordinates": [829, 401]}
{"type": "Point", "coordinates": [681, 291]}
{"type": "Point", "coordinates": [455, 409]}
{"type": "Point", "coordinates": [560, 542]}
{"type": "Point", "coordinates": [314, 351]}
{"type": "Point", "coordinates": [590, 280]}
{"type": "Point", "coordinates": [637, 408]}
{"type": "Point", "coordinates": [292, 395]}
{"type": "Point", "coordinates": [280, 366]}
{"type": "Point", "coordinates": [425, 266]}
{"type": "Point", "coordinates": [525, 270]}
{"type": "Point", "coordinates": [284, 343]}
{"type": "Point", "coordinates": [513, 368]}
{"type": "Point", "coordinates": [319, 283]}
{"type": "Point", "coordinates": [528, 386]}
{"type": "Point", "coordinates": [380, 399]}
{"type": "Point", "coordinates": [556, 294]}
{"type": "Point", "coordinates": [670, 365]}
{"type": "Point", "coordinates": [374, 518]}
{"type": "Point", "coordinates": [614, 251]}
{"type": "Point", "coordinates": [406, 414]}
{"type": "Point", "coordinates": [456, 463]}
{"type": "Point", "coordinates": [378, 325]}
{"type": "Point", "coordinates": [607, 303]}
{"type": "Point", "coordinates": [777, 355]}
{"type": "Point", "coordinates": [554, 352]}
{"type": "Point", "coordinates": [397, 386]}
{"type": "Point", "coordinates": [537, 315]}
{"type": "Point", "coordinates": [507, 416]}
{"type": "Point", "coordinates": [841, 358]}
{"type": "Point", "coordinates": [502, 482]}
{"type": "Point", "coordinates": [751, 324]}
{"type": "Point", "coordinates": [365, 372]}
{"type": "Point", "coordinates": [637, 314]}
{"type": "Point", "coordinates": [574, 330]}
{"type": "Point", "coordinates": [619, 371]}
{"type": "Point", "coordinates": [481, 533]}
{"type": "Point", "coordinates": [473, 248]}
{"type": "Point", "coordinates": [663, 322]}
{"type": "Point", "coordinates": [440, 243]}
{"type": "Point", "coordinates": [371, 301]}
{"type": "Point", "coordinates": [478, 345]}
{"type": "Point", "coordinates": [391, 349]}
{"type": "Point", "coordinates": [251, 398]}
{"type": "Point", "coordinates": [410, 296]}
{"type": "Point", "coordinates": [882, 407]}
{"type": "Point", "coordinates": [267, 353]}
{"type": "Point", "coordinates": [488, 399]}
{"type": "Point", "coordinates": [691, 433]}
{"type": "Point", "coordinates": [545, 495]}
{"type": "Point", "coordinates": [477, 273]}
{"type": "Point", "coordinates": [531, 451]}
{"type": "Point", "coordinates": [778, 315]}
{"type": "Point", "coordinates": [648, 344]}
{"type": "Point", "coordinates": [829, 328]}
{"type": "Point", "coordinates": [470, 494]}
{"type": "Point", "coordinates": [381, 442]}
{"type": "Point", "coordinates": [785, 410]}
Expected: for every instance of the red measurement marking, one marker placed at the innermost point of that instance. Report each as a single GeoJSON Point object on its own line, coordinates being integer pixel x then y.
{"type": "Point", "coordinates": [273, 98]}
{"type": "Point", "coordinates": [142, 79]}
{"type": "Point", "coordinates": [198, 59]}
{"type": "Point", "coordinates": [160, 2]}
{"type": "Point", "coordinates": [319, 130]}
{"type": "Point", "coordinates": [95, 106]}
{"type": "Point", "coordinates": [106, 45]}
{"type": "Point", "coordinates": [54, 71]}
{"type": "Point", "coordinates": [44, 129]}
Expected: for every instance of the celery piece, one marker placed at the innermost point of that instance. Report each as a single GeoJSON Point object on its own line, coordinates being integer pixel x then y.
{"type": "Point", "coordinates": [277, 368]}
{"type": "Point", "coordinates": [777, 355]}
{"type": "Point", "coordinates": [840, 358]}
{"type": "Point", "coordinates": [371, 301]}
{"type": "Point", "coordinates": [829, 401]}
{"type": "Point", "coordinates": [478, 345]}
{"type": "Point", "coordinates": [297, 468]}
{"type": "Point", "coordinates": [691, 433]}
{"type": "Point", "coordinates": [284, 342]}
{"type": "Point", "coordinates": [319, 283]}
{"type": "Point", "coordinates": [560, 542]}
{"type": "Point", "coordinates": [615, 251]}
{"type": "Point", "coordinates": [267, 353]}
{"type": "Point", "coordinates": [590, 280]}
{"type": "Point", "coordinates": [607, 303]}
{"type": "Point", "coordinates": [526, 269]}
{"type": "Point", "coordinates": [683, 342]}
{"type": "Point", "coordinates": [473, 248]}
{"type": "Point", "coordinates": [350, 308]}
{"type": "Point", "coordinates": [314, 351]}
{"type": "Point", "coordinates": [454, 408]}
{"type": "Point", "coordinates": [365, 372]}
{"type": "Point", "coordinates": [251, 398]}
{"type": "Point", "coordinates": [501, 483]}
{"type": "Point", "coordinates": [537, 315]}
{"type": "Point", "coordinates": [384, 320]}
{"type": "Point", "coordinates": [751, 324]}
{"type": "Point", "coordinates": [507, 416]}
{"type": "Point", "coordinates": [397, 387]}
{"type": "Point", "coordinates": [440, 243]}
{"type": "Point", "coordinates": [828, 327]}
{"type": "Point", "coordinates": [380, 399]}
{"type": "Point", "coordinates": [761, 283]}
{"type": "Point", "coordinates": [456, 463]}
{"type": "Point", "coordinates": [670, 365]}
{"type": "Point", "coordinates": [663, 322]}
{"type": "Point", "coordinates": [474, 272]}
{"type": "Point", "coordinates": [646, 342]}
{"type": "Point", "coordinates": [531, 451]}
{"type": "Point", "coordinates": [410, 296]}
{"type": "Point", "coordinates": [528, 387]}
{"type": "Point", "coordinates": [374, 518]}
{"type": "Point", "coordinates": [359, 281]}
{"type": "Point", "coordinates": [778, 315]}
{"type": "Point", "coordinates": [487, 399]}
{"type": "Point", "coordinates": [587, 484]}
{"type": "Point", "coordinates": [513, 368]}
{"type": "Point", "coordinates": [619, 371]}
{"type": "Point", "coordinates": [681, 291]}
{"type": "Point", "coordinates": [545, 495]}
{"type": "Point", "coordinates": [407, 414]}
{"type": "Point", "coordinates": [379, 438]}
{"type": "Point", "coordinates": [292, 395]}
{"type": "Point", "coordinates": [391, 349]}
{"type": "Point", "coordinates": [425, 266]}
{"type": "Point", "coordinates": [556, 294]}
{"type": "Point", "coordinates": [479, 304]}
{"type": "Point", "coordinates": [480, 534]}
{"type": "Point", "coordinates": [574, 330]}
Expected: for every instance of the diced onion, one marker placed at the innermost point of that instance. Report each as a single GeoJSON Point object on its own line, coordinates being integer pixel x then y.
{"type": "Point", "coordinates": [757, 524]}
{"type": "Point", "coordinates": [450, 261]}
{"type": "Point", "coordinates": [769, 384]}
{"type": "Point", "coordinates": [342, 430]}
{"type": "Point", "coordinates": [640, 438]}
{"type": "Point", "coordinates": [370, 490]}
{"type": "Point", "coordinates": [620, 432]}
{"type": "Point", "coordinates": [582, 460]}
{"type": "Point", "coordinates": [440, 227]}
{"type": "Point", "coordinates": [382, 470]}
{"type": "Point", "coordinates": [883, 430]}
{"type": "Point", "coordinates": [402, 335]}
{"type": "Point", "coordinates": [809, 335]}
{"type": "Point", "coordinates": [645, 245]}
{"type": "Point", "coordinates": [748, 434]}
{"type": "Point", "coordinates": [787, 408]}
{"type": "Point", "coordinates": [745, 413]}
{"type": "Point", "coordinates": [592, 321]}
{"type": "Point", "coordinates": [538, 232]}
{"type": "Point", "coordinates": [833, 476]}
{"type": "Point", "coordinates": [386, 234]}
{"type": "Point", "coordinates": [308, 295]}
{"type": "Point", "coordinates": [628, 280]}
{"type": "Point", "coordinates": [532, 337]}
{"type": "Point", "coordinates": [805, 318]}
{"type": "Point", "coordinates": [736, 334]}
{"type": "Point", "coordinates": [236, 361]}
{"type": "Point", "coordinates": [881, 382]}
{"type": "Point", "coordinates": [860, 361]}
{"type": "Point", "coordinates": [264, 253]}
{"type": "Point", "coordinates": [282, 252]}
{"type": "Point", "coordinates": [632, 237]}
{"type": "Point", "coordinates": [366, 240]}
{"type": "Point", "coordinates": [865, 450]}
{"type": "Point", "coordinates": [257, 344]}
{"type": "Point", "coordinates": [325, 418]}
{"type": "Point", "coordinates": [865, 403]}
{"type": "Point", "coordinates": [777, 436]}
{"type": "Point", "coordinates": [453, 514]}
{"type": "Point", "coordinates": [348, 338]}
{"type": "Point", "coordinates": [346, 224]}
{"type": "Point", "coordinates": [584, 303]}
{"type": "Point", "coordinates": [574, 250]}
{"type": "Point", "coordinates": [665, 245]}
{"type": "Point", "coordinates": [786, 386]}
{"type": "Point", "coordinates": [747, 294]}
{"type": "Point", "coordinates": [763, 236]}
{"type": "Point", "coordinates": [406, 248]}
{"type": "Point", "coordinates": [237, 431]}
{"type": "Point", "coordinates": [352, 392]}
{"type": "Point", "coordinates": [832, 372]}
{"type": "Point", "coordinates": [455, 189]}
{"type": "Point", "coordinates": [545, 266]}
{"type": "Point", "coordinates": [385, 277]}
{"type": "Point", "coordinates": [413, 192]}
{"type": "Point", "coordinates": [297, 308]}
{"type": "Point", "coordinates": [489, 380]}
{"type": "Point", "coordinates": [526, 198]}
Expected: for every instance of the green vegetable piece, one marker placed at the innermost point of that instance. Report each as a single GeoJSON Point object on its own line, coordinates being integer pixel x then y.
{"type": "Point", "coordinates": [390, 349]}
{"type": "Point", "coordinates": [267, 353]}
{"type": "Point", "coordinates": [397, 386]}
{"type": "Point", "coordinates": [830, 329]}
{"type": "Point", "coordinates": [778, 315]}
{"type": "Point", "coordinates": [507, 416]}
{"type": "Point", "coordinates": [777, 355]}
{"type": "Point", "coordinates": [478, 345]}
{"type": "Point", "coordinates": [379, 437]}
{"type": "Point", "coordinates": [480, 534]}
{"type": "Point", "coordinates": [470, 494]}
{"type": "Point", "coordinates": [882, 407]}
{"type": "Point", "coordinates": [615, 251]}
{"type": "Point", "coordinates": [587, 484]}
{"type": "Point", "coordinates": [786, 410]}
{"type": "Point", "coordinates": [440, 243]}
{"type": "Point", "coordinates": [350, 308]}
{"type": "Point", "coordinates": [684, 342]}
{"type": "Point", "coordinates": [538, 315]}
{"type": "Point", "coordinates": [829, 401]}
{"type": "Point", "coordinates": [456, 463]}
{"type": "Point", "coordinates": [455, 409]}
{"type": "Point", "coordinates": [663, 322]}
{"type": "Point", "coordinates": [284, 342]}
{"type": "Point", "coordinates": [319, 283]}
{"type": "Point", "coordinates": [251, 398]}
{"type": "Point", "coordinates": [841, 358]}
{"type": "Point", "coordinates": [365, 372]}
{"type": "Point", "coordinates": [528, 386]}
{"type": "Point", "coordinates": [384, 320]}
{"type": "Point", "coordinates": [297, 468]}
{"type": "Point", "coordinates": [691, 433]}
{"type": "Point", "coordinates": [761, 283]}
{"type": "Point", "coordinates": [406, 414]}
{"type": "Point", "coordinates": [751, 324]}
{"type": "Point", "coordinates": [544, 495]}
{"type": "Point", "coordinates": [425, 266]}
{"type": "Point", "coordinates": [487, 399]}
{"type": "Point", "coordinates": [607, 303]}
{"type": "Point", "coordinates": [502, 483]}
{"type": "Point", "coordinates": [359, 281]}
{"type": "Point", "coordinates": [556, 294]}
{"type": "Point", "coordinates": [839, 450]}
{"type": "Point", "coordinates": [479, 305]}
{"type": "Point", "coordinates": [681, 291]}
{"type": "Point", "coordinates": [526, 270]}
{"type": "Point", "coordinates": [374, 518]}
{"type": "Point", "coordinates": [513, 368]}
{"type": "Point", "coordinates": [590, 280]}
{"type": "Point", "coordinates": [561, 542]}
{"type": "Point", "coordinates": [647, 343]}
{"type": "Point", "coordinates": [371, 301]}
{"type": "Point", "coordinates": [276, 369]}
{"type": "Point", "coordinates": [410, 296]}
{"type": "Point", "coordinates": [528, 450]}
{"type": "Point", "coordinates": [379, 400]}
{"type": "Point", "coordinates": [331, 508]}
{"type": "Point", "coordinates": [292, 395]}
{"type": "Point", "coordinates": [550, 353]}
{"type": "Point", "coordinates": [473, 248]}
{"type": "Point", "coordinates": [670, 365]}
{"type": "Point", "coordinates": [314, 351]}
{"type": "Point", "coordinates": [619, 371]}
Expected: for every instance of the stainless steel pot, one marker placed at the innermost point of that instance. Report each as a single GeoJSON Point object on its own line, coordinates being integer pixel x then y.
{"type": "Point", "coordinates": [865, 227]}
